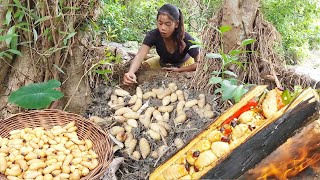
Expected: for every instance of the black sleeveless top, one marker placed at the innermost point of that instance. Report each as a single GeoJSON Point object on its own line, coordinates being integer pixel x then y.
{"type": "Point", "coordinates": [154, 38]}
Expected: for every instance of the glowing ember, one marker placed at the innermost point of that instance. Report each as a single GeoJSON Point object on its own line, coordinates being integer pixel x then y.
{"type": "Point", "coordinates": [298, 153]}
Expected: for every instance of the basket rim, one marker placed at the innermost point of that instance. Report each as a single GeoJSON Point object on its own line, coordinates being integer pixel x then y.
{"type": "Point", "coordinates": [55, 111]}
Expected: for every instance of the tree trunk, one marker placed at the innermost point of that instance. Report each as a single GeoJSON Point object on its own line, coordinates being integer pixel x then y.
{"type": "Point", "coordinates": [76, 89]}
{"type": "Point", "coordinates": [261, 64]}
{"type": "Point", "coordinates": [23, 72]}
{"type": "Point", "coordinates": [240, 14]}
{"type": "Point", "coordinates": [193, 7]}
{"type": "Point", "coordinates": [41, 56]}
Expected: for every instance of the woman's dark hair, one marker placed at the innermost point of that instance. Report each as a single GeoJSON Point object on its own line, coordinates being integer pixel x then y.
{"type": "Point", "coordinates": [176, 15]}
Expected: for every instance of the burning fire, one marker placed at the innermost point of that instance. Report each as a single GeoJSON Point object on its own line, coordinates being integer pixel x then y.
{"type": "Point", "coordinates": [294, 156]}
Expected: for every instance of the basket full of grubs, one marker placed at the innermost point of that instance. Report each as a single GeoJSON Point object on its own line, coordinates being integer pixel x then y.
{"type": "Point", "coordinates": [151, 123]}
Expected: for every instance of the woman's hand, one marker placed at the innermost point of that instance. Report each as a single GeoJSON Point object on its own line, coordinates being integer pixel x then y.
{"type": "Point", "coordinates": [129, 78]}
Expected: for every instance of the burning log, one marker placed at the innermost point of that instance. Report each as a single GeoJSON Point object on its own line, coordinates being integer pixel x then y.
{"type": "Point", "coordinates": [263, 143]}
{"type": "Point", "coordinates": [294, 156]}
{"type": "Point", "coordinates": [241, 137]}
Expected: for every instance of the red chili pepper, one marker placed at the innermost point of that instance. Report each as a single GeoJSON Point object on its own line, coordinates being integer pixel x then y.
{"type": "Point", "coordinates": [280, 103]}
{"type": "Point", "coordinates": [251, 103]}
{"type": "Point", "coordinates": [227, 132]}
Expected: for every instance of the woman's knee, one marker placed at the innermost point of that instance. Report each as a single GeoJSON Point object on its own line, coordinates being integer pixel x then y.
{"type": "Point", "coordinates": [145, 66]}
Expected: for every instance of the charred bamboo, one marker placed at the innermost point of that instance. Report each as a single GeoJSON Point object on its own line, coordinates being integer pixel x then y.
{"type": "Point", "coordinates": [240, 137]}
{"type": "Point", "coordinates": [248, 154]}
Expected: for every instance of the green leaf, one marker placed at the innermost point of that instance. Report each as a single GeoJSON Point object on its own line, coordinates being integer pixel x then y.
{"type": "Point", "coordinates": [11, 31]}
{"type": "Point", "coordinates": [228, 93]}
{"type": "Point", "coordinates": [7, 55]}
{"type": "Point", "coordinates": [215, 80]}
{"type": "Point", "coordinates": [247, 41]}
{"type": "Point", "coordinates": [17, 14]}
{"type": "Point", "coordinates": [59, 69]}
{"type": "Point", "coordinates": [17, 2]}
{"type": "Point", "coordinates": [297, 89]}
{"type": "Point", "coordinates": [42, 19]}
{"type": "Point", "coordinates": [104, 71]}
{"type": "Point", "coordinates": [68, 37]}
{"type": "Point", "coordinates": [224, 58]}
{"type": "Point", "coordinates": [196, 46]}
{"type": "Point", "coordinates": [238, 93]}
{"type": "Point", "coordinates": [8, 17]}
{"type": "Point", "coordinates": [35, 35]}
{"type": "Point", "coordinates": [71, 8]}
{"type": "Point", "coordinates": [46, 32]}
{"type": "Point", "coordinates": [21, 15]}
{"type": "Point", "coordinates": [27, 30]}
{"type": "Point", "coordinates": [227, 90]}
{"type": "Point", "coordinates": [108, 53]}
{"type": "Point", "coordinates": [213, 55]}
{"type": "Point", "coordinates": [8, 36]}
{"type": "Point", "coordinates": [219, 90]}
{"type": "Point", "coordinates": [239, 63]}
{"type": "Point", "coordinates": [225, 29]}
{"type": "Point", "coordinates": [235, 52]}
{"type": "Point", "coordinates": [233, 81]}
{"type": "Point", "coordinates": [226, 83]}
{"type": "Point", "coordinates": [230, 73]}
{"type": "Point", "coordinates": [195, 42]}
{"type": "Point", "coordinates": [218, 30]}
{"type": "Point", "coordinates": [96, 26]}
{"type": "Point", "coordinates": [19, 25]}
{"type": "Point", "coordinates": [36, 95]}
{"type": "Point", "coordinates": [14, 43]}
{"type": "Point", "coordinates": [216, 73]}
{"type": "Point", "coordinates": [15, 52]}
{"type": "Point", "coordinates": [54, 49]}
{"type": "Point", "coordinates": [106, 61]}
{"type": "Point", "coordinates": [233, 58]}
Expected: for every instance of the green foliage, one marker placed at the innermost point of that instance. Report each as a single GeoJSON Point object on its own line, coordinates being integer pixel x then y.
{"type": "Point", "coordinates": [36, 95]}
{"type": "Point", "coordinates": [232, 57]}
{"type": "Point", "coordinates": [229, 87]}
{"type": "Point", "coordinates": [10, 37]}
{"type": "Point", "coordinates": [196, 16]}
{"type": "Point", "coordinates": [130, 20]}
{"type": "Point", "coordinates": [24, 25]}
{"type": "Point", "coordinates": [298, 23]}
{"type": "Point", "coordinates": [103, 67]}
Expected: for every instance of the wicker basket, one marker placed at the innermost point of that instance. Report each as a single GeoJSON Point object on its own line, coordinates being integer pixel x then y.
{"type": "Point", "coordinates": [51, 117]}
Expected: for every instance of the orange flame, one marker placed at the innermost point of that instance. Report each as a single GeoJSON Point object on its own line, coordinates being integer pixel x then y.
{"type": "Point", "coordinates": [294, 156]}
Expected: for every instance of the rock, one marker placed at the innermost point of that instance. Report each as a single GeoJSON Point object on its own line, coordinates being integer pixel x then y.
{"type": "Point", "coordinates": [113, 44]}
{"type": "Point", "coordinates": [117, 49]}
{"type": "Point", "coordinates": [131, 44]}
{"type": "Point", "coordinates": [110, 174]}
{"type": "Point", "coordinates": [126, 51]}
{"type": "Point", "coordinates": [123, 54]}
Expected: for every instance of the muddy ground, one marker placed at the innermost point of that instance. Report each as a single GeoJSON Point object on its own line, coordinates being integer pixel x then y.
{"type": "Point", "coordinates": [147, 80]}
